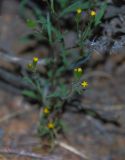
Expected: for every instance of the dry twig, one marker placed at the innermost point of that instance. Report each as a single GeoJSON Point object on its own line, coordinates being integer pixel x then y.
{"type": "Point", "coordinates": [28, 154]}
{"type": "Point", "coordinates": [71, 149]}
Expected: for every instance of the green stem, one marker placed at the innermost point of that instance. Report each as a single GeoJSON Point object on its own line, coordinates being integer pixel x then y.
{"type": "Point", "coordinates": [52, 6]}
{"type": "Point", "coordinates": [87, 32]}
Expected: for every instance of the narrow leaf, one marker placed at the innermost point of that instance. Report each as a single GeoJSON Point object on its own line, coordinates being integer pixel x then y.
{"type": "Point", "coordinates": [30, 94]}
{"type": "Point", "coordinates": [73, 7]}
{"type": "Point", "coordinates": [49, 28]}
{"type": "Point", "coordinates": [100, 14]}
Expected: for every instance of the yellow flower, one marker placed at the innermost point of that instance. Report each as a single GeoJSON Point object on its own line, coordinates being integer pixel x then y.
{"type": "Point", "coordinates": [79, 70]}
{"type": "Point", "coordinates": [51, 125]}
{"type": "Point", "coordinates": [46, 110]}
{"type": "Point", "coordinates": [84, 84]}
{"type": "Point", "coordinates": [75, 70]}
{"type": "Point", "coordinates": [79, 10]}
{"type": "Point", "coordinates": [35, 59]}
{"type": "Point", "coordinates": [93, 13]}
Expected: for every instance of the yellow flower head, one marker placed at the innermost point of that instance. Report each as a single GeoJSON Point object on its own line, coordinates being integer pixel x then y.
{"type": "Point", "coordinates": [79, 70]}
{"type": "Point", "coordinates": [51, 125]}
{"type": "Point", "coordinates": [35, 59]}
{"type": "Point", "coordinates": [46, 110]}
{"type": "Point", "coordinates": [79, 11]}
{"type": "Point", "coordinates": [75, 70]}
{"type": "Point", "coordinates": [84, 84]}
{"type": "Point", "coordinates": [93, 13]}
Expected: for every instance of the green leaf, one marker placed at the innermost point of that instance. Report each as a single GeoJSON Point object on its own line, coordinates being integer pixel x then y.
{"type": "Point", "coordinates": [80, 61]}
{"type": "Point", "coordinates": [49, 28]}
{"type": "Point", "coordinates": [50, 73]}
{"type": "Point", "coordinates": [58, 34]}
{"type": "Point", "coordinates": [30, 94]}
{"type": "Point", "coordinates": [22, 6]}
{"type": "Point", "coordinates": [63, 89]}
{"type": "Point", "coordinates": [31, 23]}
{"type": "Point", "coordinates": [100, 14]}
{"type": "Point", "coordinates": [55, 94]}
{"type": "Point", "coordinates": [73, 7]}
{"type": "Point", "coordinates": [60, 70]}
{"type": "Point", "coordinates": [52, 6]}
{"type": "Point", "coordinates": [42, 130]}
{"type": "Point", "coordinates": [64, 56]}
{"type": "Point", "coordinates": [63, 3]}
{"type": "Point", "coordinates": [39, 87]}
{"type": "Point", "coordinates": [42, 20]}
{"type": "Point", "coordinates": [28, 80]}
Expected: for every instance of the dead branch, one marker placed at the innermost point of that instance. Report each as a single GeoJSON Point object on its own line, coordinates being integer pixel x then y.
{"type": "Point", "coordinates": [71, 149]}
{"type": "Point", "coordinates": [28, 154]}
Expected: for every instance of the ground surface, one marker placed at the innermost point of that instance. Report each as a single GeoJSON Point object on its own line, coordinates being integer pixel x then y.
{"type": "Point", "coordinates": [98, 131]}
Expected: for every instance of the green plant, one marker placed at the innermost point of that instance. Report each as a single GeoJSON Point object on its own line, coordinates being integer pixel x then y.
{"type": "Point", "coordinates": [55, 90]}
